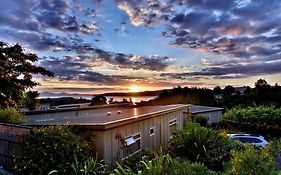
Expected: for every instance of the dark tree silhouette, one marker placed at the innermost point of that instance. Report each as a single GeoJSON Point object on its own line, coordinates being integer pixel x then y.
{"type": "Point", "coordinates": [98, 100]}
{"type": "Point", "coordinates": [217, 90]}
{"type": "Point", "coordinates": [30, 100]}
{"type": "Point", "coordinates": [228, 90]}
{"type": "Point", "coordinates": [16, 71]}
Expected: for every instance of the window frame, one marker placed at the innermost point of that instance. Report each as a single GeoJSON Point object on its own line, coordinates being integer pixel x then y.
{"type": "Point", "coordinates": [152, 128]}
{"type": "Point", "coordinates": [172, 122]}
{"type": "Point", "coordinates": [136, 139]}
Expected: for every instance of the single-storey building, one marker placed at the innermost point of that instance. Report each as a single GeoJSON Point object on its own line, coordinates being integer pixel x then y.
{"type": "Point", "coordinates": [120, 131]}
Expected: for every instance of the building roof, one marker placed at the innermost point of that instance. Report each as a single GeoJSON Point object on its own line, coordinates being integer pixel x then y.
{"type": "Point", "coordinates": [195, 109]}
{"type": "Point", "coordinates": [104, 118]}
{"type": "Point", "coordinates": [107, 117]}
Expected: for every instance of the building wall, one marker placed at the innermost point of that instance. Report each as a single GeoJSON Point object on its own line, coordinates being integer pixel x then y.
{"type": "Point", "coordinates": [214, 117]}
{"type": "Point", "coordinates": [111, 149]}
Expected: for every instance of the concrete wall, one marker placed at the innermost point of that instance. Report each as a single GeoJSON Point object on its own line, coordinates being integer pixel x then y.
{"type": "Point", "coordinates": [111, 149]}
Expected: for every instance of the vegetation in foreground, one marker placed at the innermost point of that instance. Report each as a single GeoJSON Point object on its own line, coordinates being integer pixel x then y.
{"type": "Point", "coordinates": [199, 144]}
{"type": "Point", "coordinates": [11, 115]}
{"type": "Point", "coordinates": [264, 115]}
{"type": "Point", "coordinates": [51, 148]}
{"type": "Point", "coordinates": [195, 150]}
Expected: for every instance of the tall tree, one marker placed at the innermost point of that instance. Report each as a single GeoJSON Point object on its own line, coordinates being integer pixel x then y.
{"type": "Point", "coordinates": [16, 71]}
{"type": "Point", "coordinates": [30, 100]}
{"type": "Point", "coordinates": [217, 90]}
{"type": "Point", "coordinates": [98, 100]}
{"type": "Point", "coordinates": [228, 90]}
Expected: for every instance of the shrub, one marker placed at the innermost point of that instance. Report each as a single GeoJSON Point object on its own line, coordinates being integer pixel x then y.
{"type": "Point", "coordinates": [252, 161]}
{"type": "Point", "coordinates": [133, 161]}
{"type": "Point", "coordinates": [199, 144]}
{"type": "Point", "coordinates": [201, 120]}
{"type": "Point", "coordinates": [89, 166]}
{"type": "Point", "coordinates": [51, 148]}
{"type": "Point", "coordinates": [275, 149]}
{"type": "Point", "coordinates": [259, 115]}
{"type": "Point", "coordinates": [11, 115]}
{"type": "Point", "coordinates": [165, 164]}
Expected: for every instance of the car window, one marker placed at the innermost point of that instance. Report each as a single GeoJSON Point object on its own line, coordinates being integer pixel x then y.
{"type": "Point", "coordinates": [249, 140]}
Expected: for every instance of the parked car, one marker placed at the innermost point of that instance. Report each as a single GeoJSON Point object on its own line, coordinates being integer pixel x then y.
{"type": "Point", "coordinates": [249, 139]}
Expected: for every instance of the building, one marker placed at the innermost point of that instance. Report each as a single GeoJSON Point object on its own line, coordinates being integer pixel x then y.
{"type": "Point", "coordinates": [213, 114]}
{"type": "Point", "coordinates": [120, 131]}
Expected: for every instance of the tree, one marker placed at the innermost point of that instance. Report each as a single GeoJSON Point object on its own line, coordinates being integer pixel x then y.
{"type": "Point", "coordinates": [98, 100]}
{"type": "Point", "coordinates": [16, 71]}
{"type": "Point", "coordinates": [261, 82]}
{"type": "Point", "coordinates": [30, 100]}
{"type": "Point", "coordinates": [228, 90]}
{"type": "Point", "coordinates": [217, 90]}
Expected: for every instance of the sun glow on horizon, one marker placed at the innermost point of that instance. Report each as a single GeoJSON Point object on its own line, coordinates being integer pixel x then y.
{"type": "Point", "coordinates": [134, 88]}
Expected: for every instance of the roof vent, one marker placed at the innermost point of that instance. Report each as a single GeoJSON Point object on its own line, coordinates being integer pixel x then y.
{"type": "Point", "coordinates": [108, 113]}
{"type": "Point", "coordinates": [118, 112]}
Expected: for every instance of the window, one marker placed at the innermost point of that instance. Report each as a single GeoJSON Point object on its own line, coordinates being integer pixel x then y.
{"type": "Point", "coordinates": [151, 131]}
{"type": "Point", "coordinates": [172, 126]}
{"type": "Point", "coordinates": [133, 145]}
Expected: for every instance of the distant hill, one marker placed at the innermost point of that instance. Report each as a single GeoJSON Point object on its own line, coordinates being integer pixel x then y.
{"type": "Point", "coordinates": [58, 95]}
{"type": "Point", "coordinates": [145, 93]}
{"type": "Point", "coordinates": [76, 95]}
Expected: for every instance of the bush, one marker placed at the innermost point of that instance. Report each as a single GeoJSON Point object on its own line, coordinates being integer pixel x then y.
{"type": "Point", "coordinates": [51, 148]}
{"type": "Point", "coordinates": [201, 120]}
{"type": "Point", "coordinates": [270, 116]}
{"type": "Point", "coordinates": [133, 161]}
{"type": "Point", "coordinates": [165, 164]}
{"type": "Point", "coordinates": [275, 149]}
{"type": "Point", "coordinates": [89, 166]}
{"type": "Point", "coordinates": [252, 161]}
{"type": "Point", "coordinates": [11, 115]}
{"type": "Point", "coordinates": [199, 144]}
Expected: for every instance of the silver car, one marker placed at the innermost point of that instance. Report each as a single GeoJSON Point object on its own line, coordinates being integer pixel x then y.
{"type": "Point", "coordinates": [256, 140]}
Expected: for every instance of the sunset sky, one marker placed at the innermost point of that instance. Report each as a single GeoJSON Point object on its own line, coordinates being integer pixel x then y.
{"type": "Point", "coordinates": [97, 46]}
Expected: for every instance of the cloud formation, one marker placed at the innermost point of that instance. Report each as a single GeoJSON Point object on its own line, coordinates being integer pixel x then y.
{"type": "Point", "coordinates": [86, 68]}
{"type": "Point", "coordinates": [245, 29]}
{"type": "Point", "coordinates": [39, 15]}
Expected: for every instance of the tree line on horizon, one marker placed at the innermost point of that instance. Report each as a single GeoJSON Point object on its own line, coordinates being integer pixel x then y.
{"type": "Point", "coordinates": [228, 97]}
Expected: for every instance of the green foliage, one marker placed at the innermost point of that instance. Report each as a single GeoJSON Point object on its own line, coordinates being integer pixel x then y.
{"type": "Point", "coordinates": [274, 147]}
{"type": "Point", "coordinates": [30, 100]}
{"type": "Point", "coordinates": [199, 144]}
{"type": "Point", "coordinates": [88, 167]}
{"type": "Point", "coordinates": [133, 161]}
{"type": "Point", "coordinates": [252, 161]}
{"type": "Point", "coordinates": [51, 148]}
{"type": "Point", "coordinates": [11, 115]}
{"type": "Point", "coordinates": [201, 120]}
{"type": "Point", "coordinates": [165, 164]}
{"type": "Point", "coordinates": [202, 96]}
{"type": "Point", "coordinates": [260, 115]}
{"type": "Point", "coordinates": [16, 70]}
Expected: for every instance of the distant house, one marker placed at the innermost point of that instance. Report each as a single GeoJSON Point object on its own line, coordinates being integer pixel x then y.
{"type": "Point", "coordinates": [120, 131]}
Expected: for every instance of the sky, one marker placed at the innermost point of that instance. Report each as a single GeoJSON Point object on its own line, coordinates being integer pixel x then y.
{"type": "Point", "coordinates": [98, 46]}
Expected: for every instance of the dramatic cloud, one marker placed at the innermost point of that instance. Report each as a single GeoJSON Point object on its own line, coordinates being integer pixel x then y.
{"type": "Point", "coordinates": [86, 68]}
{"type": "Point", "coordinates": [230, 70]}
{"type": "Point", "coordinates": [33, 15]}
{"type": "Point", "coordinates": [152, 42]}
{"type": "Point", "coordinates": [246, 29]}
